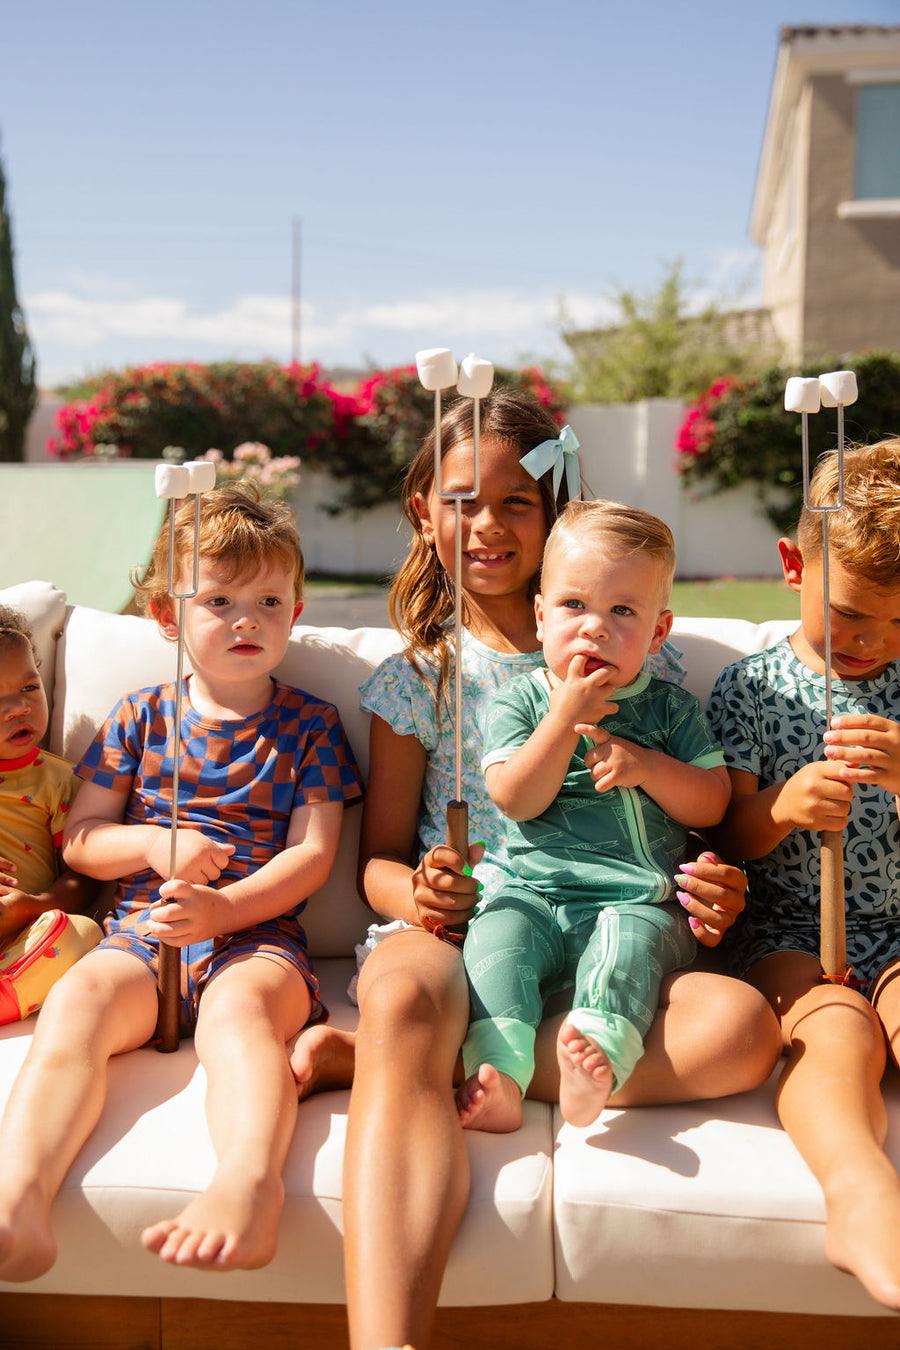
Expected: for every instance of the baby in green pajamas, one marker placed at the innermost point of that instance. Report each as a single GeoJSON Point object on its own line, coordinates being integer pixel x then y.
{"type": "Point", "coordinates": [597, 821]}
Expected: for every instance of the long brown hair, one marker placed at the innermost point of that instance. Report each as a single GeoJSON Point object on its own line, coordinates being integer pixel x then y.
{"type": "Point", "coordinates": [422, 596]}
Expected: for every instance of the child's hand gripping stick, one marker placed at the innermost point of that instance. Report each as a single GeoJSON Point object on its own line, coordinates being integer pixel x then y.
{"type": "Point", "coordinates": [175, 482]}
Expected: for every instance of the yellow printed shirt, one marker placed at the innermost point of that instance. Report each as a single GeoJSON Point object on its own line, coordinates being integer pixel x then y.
{"type": "Point", "coordinates": [36, 792]}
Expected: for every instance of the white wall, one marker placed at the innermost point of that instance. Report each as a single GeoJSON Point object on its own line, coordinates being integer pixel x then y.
{"type": "Point", "coordinates": [627, 453]}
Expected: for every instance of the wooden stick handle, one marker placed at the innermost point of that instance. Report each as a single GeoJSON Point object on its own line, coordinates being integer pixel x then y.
{"type": "Point", "coordinates": [169, 990]}
{"type": "Point", "coordinates": [458, 836]}
{"type": "Point", "coordinates": [458, 827]}
{"type": "Point", "coordinates": [833, 949]}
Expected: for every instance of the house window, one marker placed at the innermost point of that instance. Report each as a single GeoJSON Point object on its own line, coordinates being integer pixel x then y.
{"type": "Point", "coordinates": [877, 141]}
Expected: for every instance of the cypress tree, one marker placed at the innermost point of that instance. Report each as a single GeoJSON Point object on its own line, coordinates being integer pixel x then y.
{"type": "Point", "coordinates": [18, 385]}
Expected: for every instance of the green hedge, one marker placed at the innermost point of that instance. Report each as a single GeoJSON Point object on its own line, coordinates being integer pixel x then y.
{"type": "Point", "coordinates": [364, 439]}
{"type": "Point", "coordinates": [738, 431]}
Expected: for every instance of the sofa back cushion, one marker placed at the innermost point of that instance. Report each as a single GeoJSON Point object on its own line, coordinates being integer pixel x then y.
{"type": "Point", "coordinates": [101, 656]}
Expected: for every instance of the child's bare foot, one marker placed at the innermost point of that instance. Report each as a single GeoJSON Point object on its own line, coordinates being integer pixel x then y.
{"type": "Point", "coordinates": [27, 1248]}
{"type": "Point", "coordinates": [863, 1233]}
{"type": "Point", "coordinates": [585, 1076]}
{"type": "Point", "coordinates": [322, 1059]}
{"type": "Point", "coordinates": [489, 1100]}
{"type": "Point", "coordinates": [232, 1226]}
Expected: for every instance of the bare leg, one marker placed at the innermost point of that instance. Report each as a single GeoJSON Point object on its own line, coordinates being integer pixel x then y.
{"type": "Point", "coordinates": [489, 1100]}
{"type": "Point", "coordinates": [585, 1076]}
{"type": "Point", "coordinates": [406, 1171]}
{"type": "Point", "coordinates": [58, 1096]}
{"type": "Point", "coordinates": [830, 1103]}
{"type": "Point", "coordinates": [322, 1059]}
{"type": "Point", "coordinates": [247, 1012]}
{"type": "Point", "coordinates": [712, 1036]}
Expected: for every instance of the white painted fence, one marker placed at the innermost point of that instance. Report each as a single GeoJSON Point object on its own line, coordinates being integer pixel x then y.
{"type": "Point", "coordinates": [627, 453]}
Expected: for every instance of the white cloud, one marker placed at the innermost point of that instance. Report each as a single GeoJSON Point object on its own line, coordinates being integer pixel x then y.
{"type": "Point", "coordinates": [73, 327]}
{"type": "Point", "coordinates": [92, 323]}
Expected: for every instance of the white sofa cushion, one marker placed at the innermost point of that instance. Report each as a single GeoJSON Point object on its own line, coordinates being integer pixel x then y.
{"type": "Point", "coordinates": [715, 1194]}
{"type": "Point", "coordinates": [151, 1152]}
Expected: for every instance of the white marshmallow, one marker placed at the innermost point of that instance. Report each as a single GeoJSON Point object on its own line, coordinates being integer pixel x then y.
{"type": "Point", "coordinates": [475, 376]}
{"type": "Point", "coordinates": [202, 474]}
{"type": "Point", "coordinates": [801, 395]}
{"type": "Point", "coordinates": [172, 480]}
{"type": "Point", "coordinates": [436, 367]}
{"type": "Point", "coordinates": [838, 387]}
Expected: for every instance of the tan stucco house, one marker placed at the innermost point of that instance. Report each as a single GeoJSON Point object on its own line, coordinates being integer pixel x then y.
{"type": "Point", "coordinates": [827, 204]}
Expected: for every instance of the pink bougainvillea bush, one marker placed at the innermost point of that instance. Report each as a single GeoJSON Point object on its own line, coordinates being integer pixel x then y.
{"type": "Point", "coordinates": [738, 432]}
{"type": "Point", "coordinates": [363, 438]}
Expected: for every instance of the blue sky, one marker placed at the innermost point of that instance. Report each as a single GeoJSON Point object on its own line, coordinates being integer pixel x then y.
{"type": "Point", "coordinates": [460, 173]}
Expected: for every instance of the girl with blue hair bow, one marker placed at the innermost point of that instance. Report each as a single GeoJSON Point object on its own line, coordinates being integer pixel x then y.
{"type": "Point", "coordinates": [406, 1172]}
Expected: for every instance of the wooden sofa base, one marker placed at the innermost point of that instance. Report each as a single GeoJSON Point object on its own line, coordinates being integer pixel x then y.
{"type": "Point", "coordinates": [69, 1322]}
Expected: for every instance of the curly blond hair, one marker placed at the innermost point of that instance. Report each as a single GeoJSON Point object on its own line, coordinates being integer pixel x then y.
{"type": "Point", "coordinates": [864, 534]}
{"type": "Point", "coordinates": [618, 529]}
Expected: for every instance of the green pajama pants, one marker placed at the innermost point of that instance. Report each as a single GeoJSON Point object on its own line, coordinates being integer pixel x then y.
{"type": "Point", "coordinates": [523, 947]}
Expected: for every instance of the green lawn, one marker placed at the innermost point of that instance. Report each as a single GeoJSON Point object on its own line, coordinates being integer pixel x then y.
{"type": "Point", "coordinates": [753, 598]}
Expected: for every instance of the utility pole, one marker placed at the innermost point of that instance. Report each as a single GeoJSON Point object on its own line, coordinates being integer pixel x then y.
{"type": "Point", "coordinates": [295, 290]}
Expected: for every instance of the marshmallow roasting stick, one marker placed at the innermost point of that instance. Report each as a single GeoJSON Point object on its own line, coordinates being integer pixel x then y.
{"type": "Point", "coordinates": [837, 389]}
{"type": "Point", "coordinates": [174, 482]}
{"type": "Point", "coordinates": [805, 396]}
{"type": "Point", "coordinates": [437, 371]}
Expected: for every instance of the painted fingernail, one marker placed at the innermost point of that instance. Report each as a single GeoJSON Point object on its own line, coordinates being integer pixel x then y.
{"type": "Point", "coordinates": [706, 857]}
{"type": "Point", "coordinates": [467, 870]}
{"type": "Point", "coordinates": [685, 899]}
{"type": "Point", "coordinates": [480, 843]}
{"type": "Point", "coordinates": [688, 869]}
{"type": "Point", "coordinates": [695, 923]}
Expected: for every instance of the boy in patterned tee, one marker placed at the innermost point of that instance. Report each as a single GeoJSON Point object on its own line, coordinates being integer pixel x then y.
{"type": "Point", "coordinates": [601, 769]}
{"type": "Point", "coordinates": [265, 774]}
{"type": "Point", "coordinates": [787, 786]}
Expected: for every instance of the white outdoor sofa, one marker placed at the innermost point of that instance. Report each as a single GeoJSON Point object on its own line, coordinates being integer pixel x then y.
{"type": "Point", "coordinates": [686, 1226]}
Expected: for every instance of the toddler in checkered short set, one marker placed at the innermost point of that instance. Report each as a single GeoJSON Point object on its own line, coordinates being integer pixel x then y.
{"type": "Point", "coordinates": [265, 774]}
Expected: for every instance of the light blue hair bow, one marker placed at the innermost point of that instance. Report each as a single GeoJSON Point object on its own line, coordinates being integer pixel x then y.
{"type": "Point", "coordinates": [558, 455]}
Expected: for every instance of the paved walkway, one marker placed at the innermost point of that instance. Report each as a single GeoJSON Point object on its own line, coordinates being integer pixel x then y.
{"type": "Point", "coordinates": [346, 606]}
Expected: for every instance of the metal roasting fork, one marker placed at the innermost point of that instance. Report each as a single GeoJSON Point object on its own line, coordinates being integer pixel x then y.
{"type": "Point", "coordinates": [437, 371]}
{"type": "Point", "coordinates": [836, 389]}
{"type": "Point", "coordinates": [174, 482]}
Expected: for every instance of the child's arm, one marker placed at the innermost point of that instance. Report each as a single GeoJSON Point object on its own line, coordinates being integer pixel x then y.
{"type": "Point", "coordinates": [194, 912]}
{"type": "Point", "coordinates": [388, 882]}
{"type": "Point", "coordinates": [816, 798]}
{"type": "Point", "coordinates": [690, 794]}
{"type": "Point", "coordinates": [526, 783]}
{"type": "Point", "coordinates": [98, 842]}
{"type": "Point", "coordinates": [70, 892]}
